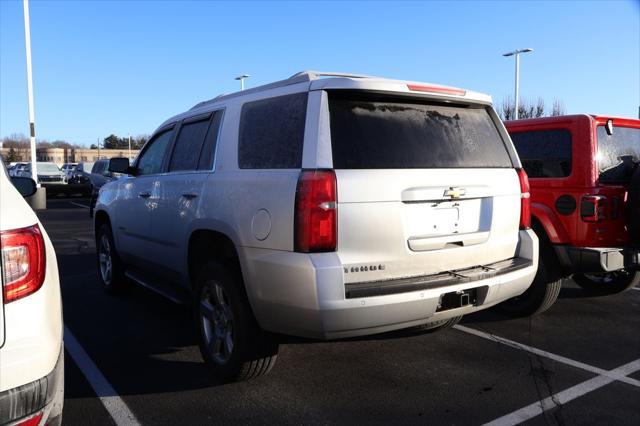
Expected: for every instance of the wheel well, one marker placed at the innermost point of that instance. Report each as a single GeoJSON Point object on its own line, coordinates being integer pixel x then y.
{"type": "Point", "coordinates": [538, 228]}
{"type": "Point", "coordinates": [100, 219]}
{"type": "Point", "coordinates": [206, 245]}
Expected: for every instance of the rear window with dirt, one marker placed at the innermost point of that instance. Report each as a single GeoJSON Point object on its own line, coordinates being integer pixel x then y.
{"type": "Point", "coordinates": [617, 154]}
{"type": "Point", "coordinates": [373, 132]}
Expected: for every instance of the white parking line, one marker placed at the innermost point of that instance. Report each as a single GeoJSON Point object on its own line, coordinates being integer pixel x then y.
{"type": "Point", "coordinates": [563, 397]}
{"type": "Point", "coordinates": [636, 288]}
{"type": "Point", "coordinates": [613, 375]}
{"type": "Point", "coordinates": [79, 205]}
{"type": "Point", "coordinates": [116, 407]}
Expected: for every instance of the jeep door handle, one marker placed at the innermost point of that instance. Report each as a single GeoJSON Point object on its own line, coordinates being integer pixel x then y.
{"type": "Point", "coordinates": [144, 195]}
{"type": "Point", "coordinates": [189, 195]}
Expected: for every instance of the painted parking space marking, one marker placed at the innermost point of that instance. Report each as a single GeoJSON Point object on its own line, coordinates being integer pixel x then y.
{"type": "Point", "coordinates": [565, 396]}
{"type": "Point", "coordinates": [79, 205]}
{"type": "Point", "coordinates": [613, 374]}
{"type": "Point", "coordinates": [117, 408]}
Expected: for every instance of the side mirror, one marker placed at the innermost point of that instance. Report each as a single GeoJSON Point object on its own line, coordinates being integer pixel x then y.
{"type": "Point", "coordinates": [25, 186]}
{"type": "Point", "coordinates": [119, 165]}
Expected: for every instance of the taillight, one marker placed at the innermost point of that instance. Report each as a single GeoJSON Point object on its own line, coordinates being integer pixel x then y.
{"type": "Point", "coordinates": [33, 420]}
{"type": "Point", "coordinates": [23, 262]}
{"type": "Point", "coordinates": [525, 200]}
{"type": "Point", "coordinates": [593, 208]}
{"type": "Point", "coordinates": [436, 89]}
{"type": "Point", "coordinates": [316, 219]}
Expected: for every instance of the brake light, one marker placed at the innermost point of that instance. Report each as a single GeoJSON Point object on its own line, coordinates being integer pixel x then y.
{"type": "Point", "coordinates": [23, 262]}
{"type": "Point", "coordinates": [593, 208]}
{"type": "Point", "coordinates": [525, 200]}
{"type": "Point", "coordinates": [34, 420]}
{"type": "Point", "coordinates": [436, 89]}
{"type": "Point", "coordinates": [316, 211]}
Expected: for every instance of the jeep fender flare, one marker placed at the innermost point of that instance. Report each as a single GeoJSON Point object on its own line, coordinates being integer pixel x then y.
{"type": "Point", "coordinates": [552, 226]}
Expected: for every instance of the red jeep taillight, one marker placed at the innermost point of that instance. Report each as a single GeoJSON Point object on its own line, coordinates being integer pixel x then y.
{"type": "Point", "coordinates": [23, 262]}
{"type": "Point", "coordinates": [593, 208]}
{"type": "Point", "coordinates": [316, 219]}
{"type": "Point", "coordinates": [525, 200]}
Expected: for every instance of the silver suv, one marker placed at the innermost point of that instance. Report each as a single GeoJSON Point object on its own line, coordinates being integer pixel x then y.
{"type": "Point", "coordinates": [323, 206]}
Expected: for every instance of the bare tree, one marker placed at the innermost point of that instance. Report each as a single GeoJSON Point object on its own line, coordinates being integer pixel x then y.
{"type": "Point", "coordinates": [528, 109]}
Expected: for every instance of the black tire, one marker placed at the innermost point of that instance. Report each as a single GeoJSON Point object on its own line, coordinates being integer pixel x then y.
{"type": "Point", "coordinates": [441, 324]}
{"type": "Point", "coordinates": [231, 341]}
{"type": "Point", "coordinates": [608, 283]}
{"type": "Point", "coordinates": [542, 293]}
{"type": "Point", "coordinates": [110, 267]}
{"type": "Point", "coordinates": [633, 207]}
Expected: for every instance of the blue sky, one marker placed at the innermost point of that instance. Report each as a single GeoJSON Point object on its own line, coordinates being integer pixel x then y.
{"type": "Point", "coordinates": [122, 67]}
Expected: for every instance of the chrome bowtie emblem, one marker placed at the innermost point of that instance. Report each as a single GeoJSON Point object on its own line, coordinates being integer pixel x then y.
{"type": "Point", "coordinates": [455, 192]}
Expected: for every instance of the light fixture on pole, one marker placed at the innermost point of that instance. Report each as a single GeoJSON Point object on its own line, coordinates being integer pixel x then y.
{"type": "Point", "coordinates": [241, 78]}
{"type": "Point", "coordinates": [517, 53]}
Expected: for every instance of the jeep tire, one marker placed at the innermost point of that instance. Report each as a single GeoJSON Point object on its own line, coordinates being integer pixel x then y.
{"type": "Point", "coordinates": [544, 289]}
{"type": "Point", "coordinates": [608, 283]}
{"type": "Point", "coordinates": [231, 341]}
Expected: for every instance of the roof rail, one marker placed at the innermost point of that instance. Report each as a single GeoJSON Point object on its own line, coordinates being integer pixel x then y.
{"type": "Point", "coordinates": [300, 77]}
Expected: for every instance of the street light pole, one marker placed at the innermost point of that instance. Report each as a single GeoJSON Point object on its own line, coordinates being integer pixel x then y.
{"type": "Point", "coordinates": [517, 53]}
{"type": "Point", "coordinates": [241, 78]}
{"type": "Point", "coordinates": [32, 120]}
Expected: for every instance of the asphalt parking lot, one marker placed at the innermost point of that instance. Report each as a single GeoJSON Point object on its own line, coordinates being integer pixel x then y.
{"type": "Point", "coordinates": [134, 359]}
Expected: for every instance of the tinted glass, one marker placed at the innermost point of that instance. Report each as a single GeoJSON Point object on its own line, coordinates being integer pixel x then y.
{"type": "Point", "coordinates": [188, 145]}
{"type": "Point", "coordinates": [151, 159]}
{"type": "Point", "coordinates": [209, 148]}
{"type": "Point", "coordinates": [379, 133]}
{"type": "Point", "coordinates": [544, 153]}
{"type": "Point", "coordinates": [617, 154]}
{"type": "Point", "coordinates": [47, 168]}
{"type": "Point", "coordinates": [272, 133]}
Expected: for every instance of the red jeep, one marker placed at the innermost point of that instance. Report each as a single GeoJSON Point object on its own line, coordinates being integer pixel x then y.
{"type": "Point", "coordinates": [585, 204]}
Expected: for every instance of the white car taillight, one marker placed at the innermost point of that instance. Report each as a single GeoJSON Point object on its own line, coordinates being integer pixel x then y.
{"type": "Point", "coordinates": [315, 212]}
{"type": "Point", "coordinates": [23, 262]}
{"type": "Point", "coordinates": [525, 200]}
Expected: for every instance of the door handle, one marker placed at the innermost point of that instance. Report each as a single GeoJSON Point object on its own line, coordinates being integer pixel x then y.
{"type": "Point", "coordinates": [144, 195]}
{"type": "Point", "coordinates": [189, 195]}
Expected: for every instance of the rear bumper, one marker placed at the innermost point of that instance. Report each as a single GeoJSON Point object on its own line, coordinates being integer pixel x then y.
{"type": "Point", "coordinates": [597, 259]}
{"type": "Point", "coordinates": [305, 295]}
{"type": "Point", "coordinates": [43, 396]}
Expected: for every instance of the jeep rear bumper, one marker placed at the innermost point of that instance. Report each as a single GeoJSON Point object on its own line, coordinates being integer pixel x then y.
{"type": "Point", "coordinates": [597, 259]}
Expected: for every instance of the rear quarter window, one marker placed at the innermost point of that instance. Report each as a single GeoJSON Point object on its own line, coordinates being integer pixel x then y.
{"type": "Point", "coordinates": [272, 133]}
{"type": "Point", "coordinates": [617, 154]}
{"type": "Point", "coordinates": [373, 132]}
{"type": "Point", "coordinates": [544, 153]}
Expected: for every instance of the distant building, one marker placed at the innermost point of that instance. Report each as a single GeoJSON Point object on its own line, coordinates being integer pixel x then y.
{"type": "Point", "coordinates": [71, 155]}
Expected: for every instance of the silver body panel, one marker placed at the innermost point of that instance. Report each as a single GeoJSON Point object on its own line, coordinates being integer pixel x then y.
{"type": "Point", "coordinates": [399, 219]}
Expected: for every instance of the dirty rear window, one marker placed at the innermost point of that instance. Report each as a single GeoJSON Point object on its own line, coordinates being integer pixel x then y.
{"type": "Point", "coordinates": [617, 154]}
{"type": "Point", "coordinates": [380, 133]}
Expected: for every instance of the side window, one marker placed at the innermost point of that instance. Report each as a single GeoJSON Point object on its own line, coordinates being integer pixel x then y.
{"type": "Point", "coordinates": [272, 133]}
{"type": "Point", "coordinates": [150, 161]}
{"type": "Point", "coordinates": [188, 144]}
{"type": "Point", "coordinates": [209, 148]}
{"type": "Point", "coordinates": [544, 153]}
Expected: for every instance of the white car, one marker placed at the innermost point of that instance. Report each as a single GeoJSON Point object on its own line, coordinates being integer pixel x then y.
{"type": "Point", "coordinates": [324, 208]}
{"type": "Point", "coordinates": [31, 330]}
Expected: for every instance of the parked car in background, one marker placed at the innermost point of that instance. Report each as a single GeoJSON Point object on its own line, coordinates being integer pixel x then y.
{"type": "Point", "coordinates": [79, 181]}
{"type": "Point", "coordinates": [68, 169]}
{"type": "Point", "coordinates": [99, 175]}
{"type": "Point", "coordinates": [324, 208]}
{"type": "Point", "coordinates": [16, 169]}
{"type": "Point", "coordinates": [31, 348]}
{"type": "Point", "coordinates": [49, 176]}
{"type": "Point", "coordinates": [585, 202]}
